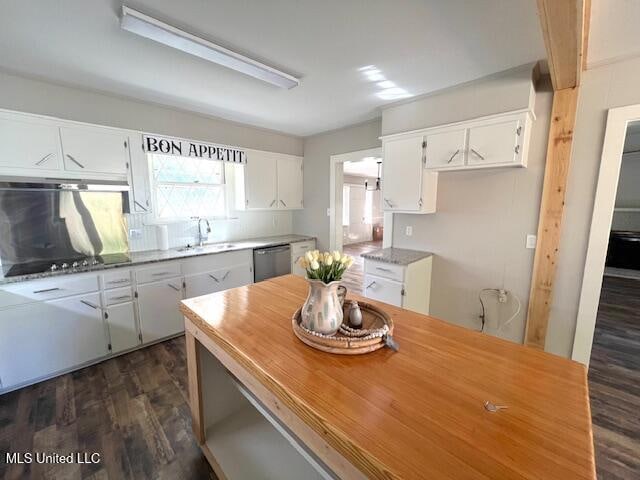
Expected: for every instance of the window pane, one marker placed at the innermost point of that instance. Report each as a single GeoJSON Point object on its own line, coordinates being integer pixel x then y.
{"type": "Point", "coordinates": [167, 168]}
{"type": "Point", "coordinates": [177, 201]}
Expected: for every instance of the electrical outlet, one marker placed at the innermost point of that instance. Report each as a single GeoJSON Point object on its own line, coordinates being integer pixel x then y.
{"type": "Point", "coordinates": [502, 296]}
{"type": "Point", "coordinates": [531, 241]}
{"type": "Point", "coordinates": [135, 233]}
{"type": "Point", "coordinates": [408, 231]}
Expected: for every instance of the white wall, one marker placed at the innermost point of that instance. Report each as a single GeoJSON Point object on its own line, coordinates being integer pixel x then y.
{"type": "Point", "coordinates": [628, 195]}
{"type": "Point", "coordinates": [39, 97]}
{"type": "Point", "coordinates": [602, 88]}
{"type": "Point", "coordinates": [478, 231]}
{"type": "Point", "coordinates": [313, 220]}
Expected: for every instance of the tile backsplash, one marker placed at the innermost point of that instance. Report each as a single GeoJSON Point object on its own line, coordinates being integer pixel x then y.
{"type": "Point", "coordinates": [242, 225]}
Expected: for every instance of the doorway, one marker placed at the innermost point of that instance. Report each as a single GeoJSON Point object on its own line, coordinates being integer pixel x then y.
{"type": "Point", "coordinates": [608, 328]}
{"type": "Point", "coordinates": [357, 222]}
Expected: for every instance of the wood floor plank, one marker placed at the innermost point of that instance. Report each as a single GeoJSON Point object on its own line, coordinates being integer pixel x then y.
{"type": "Point", "coordinates": [131, 409]}
{"type": "Point", "coordinates": [614, 380]}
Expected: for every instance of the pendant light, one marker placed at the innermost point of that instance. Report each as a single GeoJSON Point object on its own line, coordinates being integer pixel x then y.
{"type": "Point", "coordinates": [377, 187]}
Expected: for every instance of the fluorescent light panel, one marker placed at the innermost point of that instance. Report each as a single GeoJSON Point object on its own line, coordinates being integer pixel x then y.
{"type": "Point", "coordinates": [148, 27]}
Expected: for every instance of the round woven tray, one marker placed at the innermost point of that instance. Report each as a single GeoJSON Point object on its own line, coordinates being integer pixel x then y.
{"type": "Point", "coordinates": [372, 317]}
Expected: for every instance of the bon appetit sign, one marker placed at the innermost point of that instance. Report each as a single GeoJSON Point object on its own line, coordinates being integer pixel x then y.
{"type": "Point", "coordinates": [188, 148]}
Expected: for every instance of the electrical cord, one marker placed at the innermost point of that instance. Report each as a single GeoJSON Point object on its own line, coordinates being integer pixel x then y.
{"type": "Point", "coordinates": [483, 316]}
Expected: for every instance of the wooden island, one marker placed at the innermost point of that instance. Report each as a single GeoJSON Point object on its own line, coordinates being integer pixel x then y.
{"type": "Point", "coordinates": [267, 406]}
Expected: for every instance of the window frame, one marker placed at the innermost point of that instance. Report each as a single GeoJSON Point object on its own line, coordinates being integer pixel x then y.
{"type": "Point", "coordinates": [153, 183]}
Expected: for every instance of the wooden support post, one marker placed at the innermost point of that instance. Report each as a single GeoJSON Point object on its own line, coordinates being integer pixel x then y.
{"type": "Point", "coordinates": [556, 172]}
{"type": "Point", "coordinates": [195, 393]}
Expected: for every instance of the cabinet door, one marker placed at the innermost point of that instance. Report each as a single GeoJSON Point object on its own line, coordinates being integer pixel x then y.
{"type": "Point", "coordinates": [28, 145]}
{"type": "Point", "coordinates": [218, 280]}
{"type": "Point", "coordinates": [495, 143]}
{"type": "Point", "coordinates": [382, 289]}
{"type": "Point", "coordinates": [158, 304]}
{"type": "Point", "coordinates": [402, 174]}
{"type": "Point", "coordinates": [123, 332]}
{"type": "Point", "coordinates": [140, 195]}
{"type": "Point", "coordinates": [94, 150]}
{"type": "Point", "coordinates": [40, 339]}
{"type": "Point", "coordinates": [289, 182]}
{"type": "Point", "coordinates": [446, 149]}
{"type": "Point", "coordinates": [260, 180]}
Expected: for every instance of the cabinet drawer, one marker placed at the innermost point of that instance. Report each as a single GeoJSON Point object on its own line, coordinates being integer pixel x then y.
{"type": "Point", "coordinates": [47, 289]}
{"type": "Point", "coordinates": [384, 290]}
{"type": "Point", "coordinates": [300, 248]}
{"type": "Point", "coordinates": [116, 279]}
{"type": "Point", "coordinates": [118, 295]}
{"type": "Point", "coordinates": [158, 272]}
{"type": "Point", "coordinates": [386, 270]}
{"type": "Point", "coordinates": [207, 263]}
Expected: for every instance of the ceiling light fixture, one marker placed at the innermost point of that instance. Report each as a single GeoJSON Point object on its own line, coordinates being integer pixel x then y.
{"type": "Point", "coordinates": [148, 27]}
{"type": "Point", "coordinates": [366, 183]}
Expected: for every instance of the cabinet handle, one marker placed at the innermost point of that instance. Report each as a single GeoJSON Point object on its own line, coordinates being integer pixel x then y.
{"type": "Point", "coordinates": [271, 204]}
{"type": "Point", "coordinates": [75, 161]}
{"type": "Point", "coordinates": [47, 290]}
{"type": "Point", "coordinates": [519, 130]}
{"type": "Point", "coordinates": [89, 304]}
{"type": "Point", "coordinates": [174, 287]}
{"type": "Point", "coordinates": [371, 285]}
{"type": "Point", "coordinates": [282, 201]}
{"type": "Point", "coordinates": [140, 205]}
{"type": "Point", "coordinates": [121, 297]}
{"type": "Point", "coordinates": [454, 156]}
{"type": "Point", "coordinates": [517, 149]}
{"type": "Point", "coordinates": [115, 282]}
{"type": "Point", "coordinates": [384, 269]}
{"type": "Point", "coordinates": [388, 202]}
{"type": "Point", "coordinates": [477, 154]}
{"type": "Point", "coordinates": [157, 274]}
{"type": "Point", "coordinates": [217, 281]}
{"type": "Point", "coordinates": [44, 159]}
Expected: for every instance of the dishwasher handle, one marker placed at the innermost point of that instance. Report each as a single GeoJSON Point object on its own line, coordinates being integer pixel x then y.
{"type": "Point", "coordinates": [273, 250]}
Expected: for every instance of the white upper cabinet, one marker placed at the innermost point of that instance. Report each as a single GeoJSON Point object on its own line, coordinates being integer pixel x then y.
{"type": "Point", "coordinates": [28, 146]}
{"type": "Point", "coordinates": [260, 180]}
{"type": "Point", "coordinates": [495, 143]}
{"type": "Point", "coordinates": [446, 149]}
{"type": "Point", "coordinates": [140, 195]}
{"type": "Point", "coordinates": [89, 150]}
{"type": "Point", "coordinates": [271, 181]}
{"type": "Point", "coordinates": [406, 186]}
{"type": "Point", "coordinates": [290, 180]}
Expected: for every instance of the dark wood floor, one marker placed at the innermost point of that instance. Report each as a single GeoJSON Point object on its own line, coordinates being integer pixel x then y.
{"type": "Point", "coordinates": [354, 276]}
{"type": "Point", "coordinates": [131, 409]}
{"type": "Point", "coordinates": [614, 380]}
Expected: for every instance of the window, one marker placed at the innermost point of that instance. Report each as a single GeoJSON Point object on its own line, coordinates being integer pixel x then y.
{"type": "Point", "coordinates": [346, 194]}
{"type": "Point", "coordinates": [368, 207]}
{"type": "Point", "coordinates": [185, 187]}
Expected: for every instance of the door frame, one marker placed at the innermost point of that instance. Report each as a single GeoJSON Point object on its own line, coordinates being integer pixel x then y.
{"type": "Point", "coordinates": [604, 203]}
{"type": "Point", "coordinates": [336, 179]}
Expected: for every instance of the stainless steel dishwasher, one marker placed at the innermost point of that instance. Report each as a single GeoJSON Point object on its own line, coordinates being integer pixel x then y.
{"type": "Point", "coordinates": [271, 262]}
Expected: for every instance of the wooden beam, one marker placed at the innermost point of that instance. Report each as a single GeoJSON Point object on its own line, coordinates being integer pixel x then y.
{"type": "Point", "coordinates": [195, 394]}
{"type": "Point", "coordinates": [563, 114]}
{"type": "Point", "coordinates": [564, 26]}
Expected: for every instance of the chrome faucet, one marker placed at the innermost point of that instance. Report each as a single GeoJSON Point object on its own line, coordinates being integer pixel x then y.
{"type": "Point", "coordinates": [202, 237]}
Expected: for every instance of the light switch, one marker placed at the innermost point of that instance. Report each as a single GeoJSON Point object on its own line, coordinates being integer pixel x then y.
{"type": "Point", "coordinates": [408, 231]}
{"type": "Point", "coordinates": [531, 241]}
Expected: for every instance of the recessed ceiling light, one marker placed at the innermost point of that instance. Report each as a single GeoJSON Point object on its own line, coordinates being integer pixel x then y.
{"type": "Point", "coordinates": [148, 27]}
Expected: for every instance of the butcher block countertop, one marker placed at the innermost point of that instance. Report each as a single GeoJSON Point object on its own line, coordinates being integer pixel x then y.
{"type": "Point", "coordinates": [417, 413]}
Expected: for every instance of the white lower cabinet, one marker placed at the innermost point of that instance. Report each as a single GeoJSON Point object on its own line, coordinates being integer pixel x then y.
{"type": "Point", "coordinates": [406, 286]}
{"type": "Point", "coordinates": [43, 338]}
{"type": "Point", "coordinates": [298, 249]}
{"type": "Point", "coordinates": [218, 280]}
{"type": "Point", "coordinates": [158, 304]}
{"type": "Point", "coordinates": [123, 331]}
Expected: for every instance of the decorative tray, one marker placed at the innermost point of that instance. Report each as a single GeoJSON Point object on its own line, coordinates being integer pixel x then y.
{"type": "Point", "coordinates": [344, 342]}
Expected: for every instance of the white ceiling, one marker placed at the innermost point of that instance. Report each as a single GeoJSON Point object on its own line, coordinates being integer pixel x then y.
{"type": "Point", "coordinates": [614, 32]}
{"type": "Point", "coordinates": [420, 45]}
{"type": "Point", "coordinates": [368, 167]}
